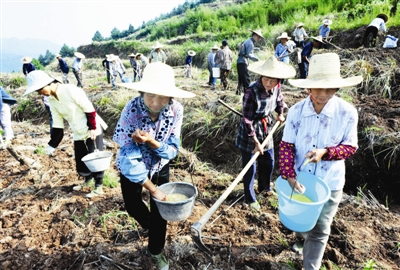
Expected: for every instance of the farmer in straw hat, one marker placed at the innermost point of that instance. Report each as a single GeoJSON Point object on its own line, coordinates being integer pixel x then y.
{"type": "Point", "coordinates": [299, 34]}
{"type": "Point", "coordinates": [283, 48]}
{"type": "Point", "coordinates": [323, 130]}
{"type": "Point", "coordinates": [210, 65]}
{"type": "Point", "coordinates": [306, 54]}
{"type": "Point", "coordinates": [157, 55]}
{"type": "Point", "coordinates": [148, 133]}
{"type": "Point", "coordinates": [77, 68]}
{"type": "Point", "coordinates": [106, 65]}
{"type": "Point", "coordinates": [6, 101]}
{"type": "Point", "coordinates": [223, 59]}
{"type": "Point", "coordinates": [135, 66]}
{"type": "Point", "coordinates": [373, 27]}
{"type": "Point", "coordinates": [27, 65]}
{"type": "Point", "coordinates": [260, 100]}
{"type": "Point", "coordinates": [63, 65]}
{"type": "Point", "coordinates": [116, 69]}
{"type": "Point", "coordinates": [188, 62]}
{"type": "Point", "coordinates": [71, 103]}
{"type": "Point", "coordinates": [144, 61]}
{"type": "Point", "coordinates": [324, 31]}
{"type": "Point", "coordinates": [246, 53]}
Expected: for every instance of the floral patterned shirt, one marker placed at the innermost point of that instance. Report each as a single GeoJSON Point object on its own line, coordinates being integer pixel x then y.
{"type": "Point", "coordinates": [335, 128]}
{"type": "Point", "coordinates": [139, 161]}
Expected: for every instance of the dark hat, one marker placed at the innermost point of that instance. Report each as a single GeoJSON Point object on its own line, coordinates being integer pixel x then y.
{"type": "Point", "coordinates": [224, 43]}
{"type": "Point", "coordinates": [383, 17]}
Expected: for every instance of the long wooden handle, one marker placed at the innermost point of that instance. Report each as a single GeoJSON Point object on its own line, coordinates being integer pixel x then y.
{"type": "Point", "coordinates": [199, 224]}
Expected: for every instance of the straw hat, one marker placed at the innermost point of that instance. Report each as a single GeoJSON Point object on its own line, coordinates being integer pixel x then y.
{"type": "Point", "coordinates": [284, 35]}
{"type": "Point", "coordinates": [273, 68]}
{"type": "Point", "coordinates": [318, 38]}
{"type": "Point", "coordinates": [383, 17]}
{"type": "Point", "coordinates": [159, 79]}
{"type": "Point", "coordinates": [324, 72]}
{"type": "Point", "coordinates": [79, 55]}
{"type": "Point", "coordinates": [58, 55]}
{"type": "Point", "coordinates": [37, 79]}
{"type": "Point", "coordinates": [157, 45]}
{"type": "Point", "coordinates": [215, 47]}
{"type": "Point", "coordinates": [111, 57]}
{"type": "Point", "coordinates": [26, 60]}
{"type": "Point", "coordinates": [132, 55]}
{"type": "Point", "coordinates": [191, 53]}
{"type": "Point", "coordinates": [300, 24]}
{"type": "Point", "coordinates": [327, 22]}
{"type": "Point", "coordinates": [257, 32]}
{"type": "Point", "coordinates": [138, 54]}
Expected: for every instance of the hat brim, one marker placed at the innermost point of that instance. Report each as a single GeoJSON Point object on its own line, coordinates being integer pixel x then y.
{"type": "Point", "coordinates": [326, 83]}
{"type": "Point", "coordinates": [40, 85]}
{"type": "Point", "coordinates": [79, 55]}
{"type": "Point", "coordinates": [318, 39]}
{"type": "Point", "coordinates": [280, 71]}
{"type": "Point", "coordinates": [192, 53]}
{"type": "Point", "coordinates": [257, 33]}
{"type": "Point", "coordinates": [284, 37]}
{"type": "Point", "coordinates": [157, 88]}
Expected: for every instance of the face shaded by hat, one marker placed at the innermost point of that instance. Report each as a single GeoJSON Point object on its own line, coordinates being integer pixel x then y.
{"type": "Point", "coordinates": [132, 55]}
{"type": "Point", "coordinates": [37, 79]}
{"type": "Point", "coordinates": [26, 60]}
{"type": "Point", "coordinates": [324, 72]}
{"type": "Point", "coordinates": [158, 79]}
{"type": "Point", "coordinates": [284, 35]}
{"type": "Point", "coordinates": [300, 25]}
{"type": "Point", "coordinates": [319, 39]}
{"type": "Point", "coordinates": [257, 32]}
{"type": "Point", "coordinates": [79, 55]}
{"type": "Point", "coordinates": [273, 68]}
{"type": "Point", "coordinates": [215, 47]}
{"type": "Point", "coordinates": [157, 45]}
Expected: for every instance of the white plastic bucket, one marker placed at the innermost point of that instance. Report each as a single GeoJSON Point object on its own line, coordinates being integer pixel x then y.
{"type": "Point", "coordinates": [177, 211]}
{"type": "Point", "coordinates": [300, 216]}
{"type": "Point", "coordinates": [216, 72]}
{"type": "Point", "coordinates": [98, 161]}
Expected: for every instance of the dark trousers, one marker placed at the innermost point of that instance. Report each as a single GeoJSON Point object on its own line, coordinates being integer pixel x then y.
{"type": "Point", "coordinates": [108, 76]}
{"type": "Point", "coordinates": [78, 76]}
{"type": "Point", "coordinates": [148, 219]}
{"type": "Point", "coordinates": [224, 75]}
{"type": "Point", "coordinates": [369, 30]}
{"type": "Point", "coordinates": [82, 148]}
{"type": "Point", "coordinates": [50, 117]}
{"type": "Point", "coordinates": [265, 168]}
{"type": "Point", "coordinates": [299, 44]}
{"type": "Point", "coordinates": [303, 67]}
{"type": "Point", "coordinates": [243, 76]}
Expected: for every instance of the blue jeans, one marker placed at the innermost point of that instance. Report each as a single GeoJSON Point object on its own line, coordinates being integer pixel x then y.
{"type": "Point", "coordinates": [265, 169]}
{"type": "Point", "coordinates": [315, 243]}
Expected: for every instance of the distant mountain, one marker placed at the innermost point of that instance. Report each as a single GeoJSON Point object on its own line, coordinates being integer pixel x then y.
{"type": "Point", "coordinates": [13, 49]}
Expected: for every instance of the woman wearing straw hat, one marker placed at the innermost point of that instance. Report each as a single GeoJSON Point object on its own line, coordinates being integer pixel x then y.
{"type": "Point", "coordinates": [211, 64]}
{"type": "Point", "coordinates": [373, 28]}
{"type": "Point", "coordinates": [71, 103]}
{"type": "Point", "coordinates": [283, 49]}
{"type": "Point", "coordinates": [188, 62]}
{"type": "Point", "coordinates": [324, 31]}
{"type": "Point", "coordinates": [77, 68]}
{"type": "Point", "coordinates": [260, 100]}
{"type": "Point", "coordinates": [27, 65]}
{"type": "Point", "coordinates": [148, 133]}
{"type": "Point", "coordinates": [157, 55]}
{"type": "Point", "coordinates": [299, 34]}
{"type": "Point", "coordinates": [323, 130]}
{"type": "Point", "coordinates": [306, 54]}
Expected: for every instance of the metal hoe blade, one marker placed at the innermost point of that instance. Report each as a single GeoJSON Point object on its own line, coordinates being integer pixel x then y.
{"type": "Point", "coordinates": [196, 228]}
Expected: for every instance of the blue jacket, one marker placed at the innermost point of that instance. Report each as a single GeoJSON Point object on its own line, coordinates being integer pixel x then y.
{"type": "Point", "coordinates": [63, 65]}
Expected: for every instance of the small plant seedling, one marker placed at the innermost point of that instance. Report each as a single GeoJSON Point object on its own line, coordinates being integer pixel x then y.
{"type": "Point", "coordinates": [369, 265]}
{"type": "Point", "coordinates": [40, 150]}
{"type": "Point", "coordinates": [110, 179]}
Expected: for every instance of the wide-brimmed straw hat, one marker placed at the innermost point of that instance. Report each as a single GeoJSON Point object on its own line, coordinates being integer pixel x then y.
{"type": "Point", "coordinates": [284, 35]}
{"type": "Point", "coordinates": [132, 55]}
{"type": "Point", "coordinates": [300, 24]}
{"type": "Point", "coordinates": [215, 47]}
{"type": "Point", "coordinates": [318, 38]}
{"type": "Point", "coordinates": [383, 17]}
{"type": "Point", "coordinates": [324, 72]}
{"type": "Point", "coordinates": [157, 45]}
{"type": "Point", "coordinates": [26, 59]}
{"type": "Point", "coordinates": [111, 57]}
{"type": "Point", "coordinates": [58, 55]}
{"type": "Point", "coordinates": [37, 79]}
{"type": "Point", "coordinates": [257, 32]}
{"type": "Point", "coordinates": [327, 22]}
{"type": "Point", "coordinates": [273, 68]}
{"type": "Point", "coordinates": [191, 53]}
{"type": "Point", "coordinates": [158, 79]}
{"type": "Point", "coordinates": [79, 55]}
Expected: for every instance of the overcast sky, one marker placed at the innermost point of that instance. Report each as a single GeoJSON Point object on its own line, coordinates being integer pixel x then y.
{"type": "Point", "coordinates": [75, 22]}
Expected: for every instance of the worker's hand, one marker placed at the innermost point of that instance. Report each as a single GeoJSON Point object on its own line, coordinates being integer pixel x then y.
{"type": "Point", "coordinates": [93, 134]}
{"type": "Point", "coordinates": [141, 136]}
{"type": "Point", "coordinates": [158, 194]}
{"type": "Point", "coordinates": [315, 155]}
{"type": "Point", "coordinates": [296, 186]}
{"type": "Point", "coordinates": [50, 150]}
{"type": "Point", "coordinates": [257, 147]}
{"type": "Point", "coordinates": [280, 118]}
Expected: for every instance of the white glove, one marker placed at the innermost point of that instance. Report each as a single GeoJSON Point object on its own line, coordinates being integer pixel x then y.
{"type": "Point", "coordinates": [50, 150]}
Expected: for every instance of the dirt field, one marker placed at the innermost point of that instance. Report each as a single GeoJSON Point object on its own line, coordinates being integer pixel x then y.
{"type": "Point", "coordinates": [46, 225]}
